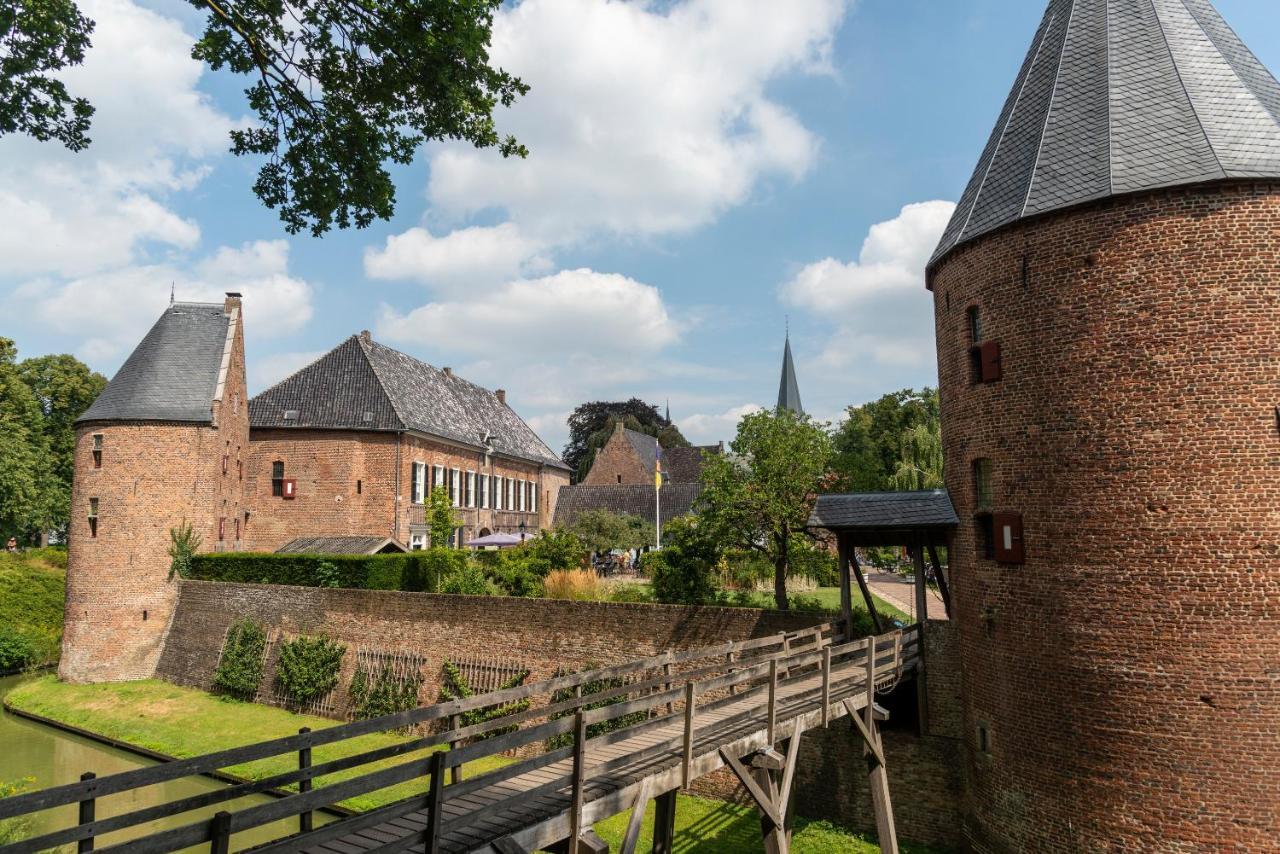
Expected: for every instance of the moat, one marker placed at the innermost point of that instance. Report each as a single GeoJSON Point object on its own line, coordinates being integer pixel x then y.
{"type": "Point", "coordinates": [53, 757]}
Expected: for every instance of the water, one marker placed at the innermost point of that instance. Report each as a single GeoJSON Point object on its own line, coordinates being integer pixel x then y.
{"type": "Point", "coordinates": [53, 757]}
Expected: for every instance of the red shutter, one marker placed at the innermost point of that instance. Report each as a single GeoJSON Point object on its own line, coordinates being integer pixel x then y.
{"type": "Point", "coordinates": [991, 367]}
{"type": "Point", "coordinates": [1008, 533]}
{"type": "Point", "coordinates": [290, 489]}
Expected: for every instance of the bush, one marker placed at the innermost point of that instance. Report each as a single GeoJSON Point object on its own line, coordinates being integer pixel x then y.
{"type": "Point", "coordinates": [308, 668]}
{"type": "Point", "coordinates": [16, 651]}
{"type": "Point", "coordinates": [240, 668]}
{"type": "Point", "coordinates": [684, 571]}
{"type": "Point", "coordinates": [516, 572]}
{"type": "Point", "coordinates": [383, 691]}
{"type": "Point", "coordinates": [468, 579]}
{"type": "Point", "coordinates": [817, 564]}
{"type": "Point", "coordinates": [559, 549]}
{"type": "Point", "coordinates": [419, 571]}
{"type": "Point", "coordinates": [624, 592]}
{"type": "Point", "coordinates": [52, 555]}
{"type": "Point", "coordinates": [578, 584]}
{"type": "Point", "coordinates": [184, 542]}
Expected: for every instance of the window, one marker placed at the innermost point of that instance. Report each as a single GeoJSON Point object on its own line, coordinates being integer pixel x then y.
{"type": "Point", "coordinates": [975, 325]}
{"type": "Point", "coordinates": [93, 517]}
{"type": "Point", "coordinates": [455, 487]}
{"type": "Point", "coordinates": [508, 500]}
{"type": "Point", "coordinates": [359, 487]}
{"type": "Point", "coordinates": [533, 497]}
{"type": "Point", "coordinates": [483, 483]}
{"type": "Point", "coordinates": [984, 738]}
{"type": "Point", "coordinates": [226, 463]}
{"type": "Point", "coordinates": [619, 478]}
{"type": "Point", "coordinates": [983, 490]}
{"type": "Point", "coordinates": [984, 533]}
{"type": "Point", "coordinates": [985, 365]}
{"type": "Point", "coordinates": [417, 483]}
{"type": "Point", "coordinates": [520, 495]}
{"type": "Point", "coordinates": [417, 541]}
{"type": "Point", "coordinates": [437, 476]}
{"type": "Point", "coordinates": [277, 479]}
{"type": "Point", "coordinates": [97, 450]}
{"type": "Point", "coordinates": [471, 489]}
{"type": "Point", "coordinates": [239, 469]}
{"type": "Point", "coordinates": [495, 485]}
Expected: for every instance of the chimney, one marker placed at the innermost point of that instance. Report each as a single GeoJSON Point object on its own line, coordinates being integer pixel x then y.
{"type": "Point", "coordinates": [448, 371]}
{"type": "Point", "coordinates": [721, 451]}
{"type": "Point", "coordinates": [501, 394]}
{"type": "Point", "coordinates": [365, 336]}
{"type": "Point", "coordinates": [233, 301]}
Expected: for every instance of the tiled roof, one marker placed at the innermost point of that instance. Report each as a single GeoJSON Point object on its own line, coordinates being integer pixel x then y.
{"type": "Point", "coordinates": [1118, 96]}
{"type": "Point", "coordinates": [684, 465]}
{"type": "Point", "coordinates": [172, 374]}
{"type": "Point", "coordinates": [646, 448]}
{"type": "Point", "coordinates": [362, 385]}
{"type": "Point", "coordinates": [338, 545]}
{"type": "Point", "coordinates": [927, 508]}
{"type": "Point", "coordinates": [632, 499]}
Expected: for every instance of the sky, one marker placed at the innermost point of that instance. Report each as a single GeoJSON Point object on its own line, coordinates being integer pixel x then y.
{"type": "Point", "coordinates": [702, 175]}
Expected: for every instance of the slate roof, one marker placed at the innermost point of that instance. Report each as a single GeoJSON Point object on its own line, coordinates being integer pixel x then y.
{"type": "Point", "coordinates": [339, 545]}
{"type": "Point", "coordinates": [646, 448]}
{"type": "Point", "coordinates": [1119, 96]}
{"type": "Point", "coordinates": [884, 510]}
{"type": "Point", "coordinates": [684, 465]}
{"type": "Point", "coordinates": [788, 388]}
{"type": "Point", "coordinates": [362, 385]}
{"type": "Point", "coordinates": [634, 499]}
{"type": "Point", "coordinates": [172, 374]}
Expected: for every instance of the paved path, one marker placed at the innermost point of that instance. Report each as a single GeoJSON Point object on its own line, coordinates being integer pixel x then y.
{"type": "Point", "coordinates": [899, 591]}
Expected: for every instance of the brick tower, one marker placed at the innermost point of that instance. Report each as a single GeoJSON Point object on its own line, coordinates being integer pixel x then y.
{"type": "Point", "coordinates": [1107, 308]}
{"type": "Point", "coordinates": [161, 446]}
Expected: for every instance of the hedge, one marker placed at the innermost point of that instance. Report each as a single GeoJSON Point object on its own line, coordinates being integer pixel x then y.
{"type": "Point", "coordinates": [419, 571]}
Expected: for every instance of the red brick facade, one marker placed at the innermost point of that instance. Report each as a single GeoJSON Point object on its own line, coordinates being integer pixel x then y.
{"type": "Point", "coordinates": [148, 478]}
{"type": "Point", "coordinates": [1121, 686]}
{"type": "Point", "coordinates": [617, 462]}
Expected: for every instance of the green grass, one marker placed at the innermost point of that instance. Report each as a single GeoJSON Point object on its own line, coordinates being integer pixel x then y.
{"type": "Point", "coordinates": [715, 827]}
{"type": "Point", "coordinates": [184, 722]}
{"type": "Point", "coordinates": [32, 589]}
{"type": "Point", "coordinates": [827, 598]}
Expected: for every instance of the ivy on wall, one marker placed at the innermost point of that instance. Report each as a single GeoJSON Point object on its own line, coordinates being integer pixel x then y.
{"type": "Point", "coordinates": [308, 668]}
{"type": "Point", "coordinates": [595, 686]}
{"type": "Point", "coordinates": [381, 690]}
{"type": "Point", "coordinates": [240, 668]}
{"type": "Point", "coordinates": [455, 687]}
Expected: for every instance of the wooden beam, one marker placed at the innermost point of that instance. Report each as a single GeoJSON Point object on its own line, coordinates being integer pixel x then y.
{"type": "Point", "coordinates": [632, 837]}
{"type": "Point", "coordinates": [579, 781]}
{"type": "Point", "coordinates": [943, 587]}
{"type": "Point", "coordinates": [664, 823]}
{"type": "Point", "coordinates": [866, 593]}
{"type": "Point", "coordinates": [506, 845]}
{"type": "Point", "coordinates": [788, 775]}
{"type": "Point", "coordinates": [761, 797]}
{"type": "Point", "coordinates": [844, 549]}
{"type": "Point", "coordinates": [922, 620]}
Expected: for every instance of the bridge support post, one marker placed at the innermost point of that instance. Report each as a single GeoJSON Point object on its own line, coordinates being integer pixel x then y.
{"type": "Point", "coordinates": [769, 781]}
{"type": "Point", "coordinates": [664, 823]}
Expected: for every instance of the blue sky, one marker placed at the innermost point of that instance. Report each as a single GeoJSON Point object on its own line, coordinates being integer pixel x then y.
{"type": "Point", "coordinates": [699, 170]}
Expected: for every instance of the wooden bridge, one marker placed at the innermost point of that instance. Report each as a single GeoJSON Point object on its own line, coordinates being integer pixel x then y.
{"type": "Point", "coordinates": [585, 747]}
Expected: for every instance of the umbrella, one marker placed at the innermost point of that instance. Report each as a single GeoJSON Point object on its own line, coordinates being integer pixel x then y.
{"type": "Point", "coordinates": [502, 541]}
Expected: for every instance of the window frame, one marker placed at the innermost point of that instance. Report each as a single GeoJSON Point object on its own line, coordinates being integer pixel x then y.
{"type": "Point", "coordinates": [277, 479]}
{"type": "Point", "coordinates": [96, 450]}
{"type": "Point", "coordinates": [93, 517]}
{"type": "Point", "coordinates": [469, 488]}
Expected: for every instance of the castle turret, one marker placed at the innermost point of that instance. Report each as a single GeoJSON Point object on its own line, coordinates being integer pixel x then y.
{"type": "Point", "coordinates": [162, 446]}
{"type": "Point", "coordinates": [1107, 306]}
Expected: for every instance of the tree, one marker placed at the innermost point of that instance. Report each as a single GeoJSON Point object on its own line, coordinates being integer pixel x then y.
{"type": "Point", "coordinates": [442, 519]}
{"type": "Point", "coordinates": [591, 425]}
{"type": "Point", "coordinates": [920, 458]}
{"type": "Point", "coordinates": [869, 444]}
{"type": "Point", "coordinates": [683, 572]}
{"type": "Point", "coordinates": [758, 498]}
{"type": "Point", "coordinates": [602, 531]}
{"type": "Point", "coordinates": [340, 88]}
{"type": "Point", "coordinates": [29, 490]}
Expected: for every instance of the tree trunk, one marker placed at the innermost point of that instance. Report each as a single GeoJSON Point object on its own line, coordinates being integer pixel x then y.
{"type": "Point", "coordinates": [780, 575]}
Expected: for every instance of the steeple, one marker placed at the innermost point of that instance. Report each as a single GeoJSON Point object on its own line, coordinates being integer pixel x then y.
{"type": "Point", "coordinates": [1121, 96]}
{"type": "Point", "coordinates": [788, 388]}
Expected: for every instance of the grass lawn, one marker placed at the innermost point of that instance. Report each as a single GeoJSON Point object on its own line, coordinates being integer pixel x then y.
{"type": "Point", "coordinates": [32, 588]}
{"type": "Point", "coordinates": [184, 722]}
{"type": "Point", "coordinates": [827, 599]}
{"type": "Point", "coordinates": [714, 827]}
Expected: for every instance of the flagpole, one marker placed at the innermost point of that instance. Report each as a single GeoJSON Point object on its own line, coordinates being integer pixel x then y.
{"type": "Point", "coordinates": [657, 494]}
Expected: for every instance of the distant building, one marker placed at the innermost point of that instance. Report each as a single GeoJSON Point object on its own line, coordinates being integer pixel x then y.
{"type": "Point", "coordinates": [631, 457]}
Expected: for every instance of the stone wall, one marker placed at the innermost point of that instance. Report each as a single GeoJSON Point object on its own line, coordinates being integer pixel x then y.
{"type": "Point", "coordinates": [1125, 676]}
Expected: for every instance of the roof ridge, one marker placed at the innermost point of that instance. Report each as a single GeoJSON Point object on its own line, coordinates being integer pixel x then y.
{"type": "Point", "coordinates": [365, 344]}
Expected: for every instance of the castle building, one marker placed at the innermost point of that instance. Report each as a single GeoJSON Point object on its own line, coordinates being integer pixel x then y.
{"type": "Point", "coordinates": [344, 450]}
{"type": "Point", "coordinates": [1107, 303]}
{"type": "Point", "coordinates": [163, 446]}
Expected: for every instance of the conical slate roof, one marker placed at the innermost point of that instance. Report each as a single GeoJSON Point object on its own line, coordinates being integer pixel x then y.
{"type": "Point", "coordinates": [788, 388]}
{"type": "Point", "coordinates": [1118, 96]}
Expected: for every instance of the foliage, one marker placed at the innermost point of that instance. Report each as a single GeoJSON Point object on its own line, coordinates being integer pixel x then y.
{"type": "Point", "coordinates": [595, 686]}
{"type": "Point", "coordinates": [16, 650]}
{"type": "Point", "coordinates": [603, 531]}
{"type": "Point", "coordinates": [591, 425]}
{"type": "Point", "coordinates": [32, 592]}
{"type": "Point", "coordinates": [418, 571]}
{"type": "Point", "coordinates": [868, 446]}
{"type": "Point", "coordinates": [184, 542]}
{"type": "Point", "coordinates": [383, 691]}
{"type": "Point", "coordinates": [514, 572]}
{"type": "Point", "coordinates": [341, 89]}
{"type": "Point", "coordinates": [308, 668]}
{"type": "Point", "coordinates": [468, 579]}
{"type": "Point", "coordinates": [239, 669]}
{"type": "Point", "coordinates": [442, 519]}
{"type": "Point", "coordinates": [759, 497]}
{"type": "Point", "coordinates": [455, 687]}
{"type": "Point", "coordinates": [559, 549]}
{"type": "Point", "coordinates": [683, 572]}
{"type": "Point", "coordinates": [18, 828]}
{"type": "Point", "coordinates": [582, 585]}
{"type": "Point", "coordinates": [185, 722]}
{"type": "Point", "coordinates": [30, 493]}
{"type": "Point", "coordinates": [810, 560]}
{"type": "Point", "coordinates": [632, 593]}
{"type": "Point", "coordinates": [920, 458]}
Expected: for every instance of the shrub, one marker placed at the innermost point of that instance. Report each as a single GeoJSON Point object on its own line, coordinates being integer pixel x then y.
{"type": "Point", "coordinates": [814, 563]}
{"type": "Point", "coordinates": [184, 542]}
{"type": "Point", "coordinates": [240, 669]}
{"type": "Point", "coordinates": [16, 650]}
{"type": "Point", "coordinates": [468, 579]}
{"type": "Point", "coordinates": [625, 592]}
{"type": "Point", "coordinates": [559, 549]}
{"type": "Point", "coordinates": [55, 556]}
{"type": "Point", "coordinates": [327, 574]}
{"type": "Point", "coordinates": [683, 572]}
{"type": "Point", "coordinates": [578, 584]}
{"type": "Point", "coordinates": [416, 571]}
{"type": "Point", "coordinates": [19, 828]}
{"type": "Point", "coordinates": [383, 691]}
{"type": "Point", "coordinates": [455, 687]}
{"type": "Point", "coordinates": [308, 668]}
{"type": "Point", "coordinates": [515, 572]}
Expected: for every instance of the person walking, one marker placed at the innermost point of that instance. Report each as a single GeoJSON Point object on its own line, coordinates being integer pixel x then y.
{"type": "Point", "coordinates": [12, 546]}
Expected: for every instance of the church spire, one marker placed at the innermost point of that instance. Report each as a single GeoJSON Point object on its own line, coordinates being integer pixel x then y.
{"type": "Point", "coordinates": [788, 388]}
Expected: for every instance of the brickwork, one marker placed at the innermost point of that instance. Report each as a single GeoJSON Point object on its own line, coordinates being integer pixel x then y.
{"type": "Point", "coordinates": [154, 476]}
{"type": "Point", "coordinates": [1126, 674]}
{"type": "Point", "coordinates": [617, 462]}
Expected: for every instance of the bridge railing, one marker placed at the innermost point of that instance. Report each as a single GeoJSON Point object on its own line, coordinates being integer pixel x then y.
{"type": "Point", "coordinates": [655, 690]}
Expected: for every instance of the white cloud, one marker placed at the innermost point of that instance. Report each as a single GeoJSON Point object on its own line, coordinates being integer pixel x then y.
{"type": "Point", "coordinates": [643, 118]}
{"type": "Point", "coordinates": [71, 214]}
{"type": "Point", "coordinates": [704, 429]}
{"type": "Point", "coordinates": [111, 311]}
{"type": "Point", "coordinates": [572, 313]}
{"type": "Point", "coordinates": [461, 259]}
{"type": "Point", "coordinates": [878, 303]}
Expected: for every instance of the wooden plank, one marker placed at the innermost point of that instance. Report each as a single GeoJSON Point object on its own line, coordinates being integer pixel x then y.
{"type": "Point", "coordinates": [690, 702]}
{"type": "Point", "coordinates": [664, 823]}
{"type": "Point", "coordinates": [579, 781]}
{"type": "Point", "coordinates": [922, 617]}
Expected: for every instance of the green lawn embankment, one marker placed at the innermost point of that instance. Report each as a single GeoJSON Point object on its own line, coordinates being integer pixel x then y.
{"type": "Point", "coordinates": [33, 586]}
{"type": "Point", "coordinates": [183, 722]}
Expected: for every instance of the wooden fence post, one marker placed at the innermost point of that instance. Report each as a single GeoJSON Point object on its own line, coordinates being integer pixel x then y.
{"type": "Point", "coordinates": [435, 802]}
{"type": "Point", "coordinates": [304, 785]}
{"type": "Point", "coordinates": [579, 780]}
{"type": "Point", "coordinates": [666, 674]}
{"type": "Point", "coordinates": [455, 773]}
{"type": "Point", "coordinates": [88, 807]}
{"type": "Point", "coordinates": [826, 686]}
{"type": "Point", "coordinates": [732, 658]}
{"type": "Point", "coordinates": [220, 834]}
{"type": "Point", "coordinates": [773, 698]}
{"type": "Point", "coordinates": [690, 698]}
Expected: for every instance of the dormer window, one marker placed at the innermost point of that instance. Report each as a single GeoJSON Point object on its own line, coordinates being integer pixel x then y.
{"type": "Point", "coordinates": [97, 450]}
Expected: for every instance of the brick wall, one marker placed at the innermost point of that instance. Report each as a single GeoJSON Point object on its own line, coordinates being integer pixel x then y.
{"type": "Point", "coordinates": [616, 462]}
{"type": "Point", "coordinates": [1127, 672]}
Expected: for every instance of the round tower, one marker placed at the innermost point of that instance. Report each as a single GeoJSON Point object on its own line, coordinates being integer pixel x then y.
{"type": "Point", "coordinates": [161, 447]}
{"type": "Point", "coordinates": [1107, 309]}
